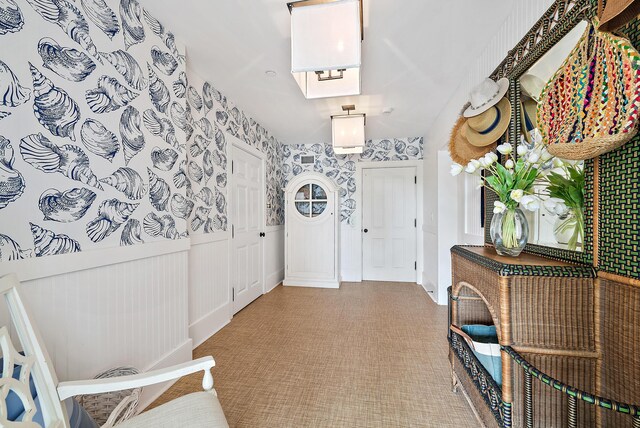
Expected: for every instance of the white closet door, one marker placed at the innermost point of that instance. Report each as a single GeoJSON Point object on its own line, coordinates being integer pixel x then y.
{"type": "Point", "coordinates": [389, 224]}
{"type": "Point", "coordinates": [246, 215]}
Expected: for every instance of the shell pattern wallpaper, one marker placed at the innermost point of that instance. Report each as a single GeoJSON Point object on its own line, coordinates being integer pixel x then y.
{"type": "Point", "coordinates": [206, 119]}
{"type": "Point", "coordinates": [103, 140]}
{"type": "Point", "coordinates": [342, 168]}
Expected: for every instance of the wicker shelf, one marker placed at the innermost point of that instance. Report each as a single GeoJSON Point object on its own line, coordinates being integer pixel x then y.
{"type": "Point", "coordinates": [544, 309]}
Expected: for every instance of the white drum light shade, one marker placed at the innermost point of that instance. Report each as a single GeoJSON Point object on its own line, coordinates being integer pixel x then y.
{"type": "Point", "coordinates": [347, 133]}
{"type": "Point", "coordinates": [313, 88]}
{"type": "Point", "coordinates": [325, 36]}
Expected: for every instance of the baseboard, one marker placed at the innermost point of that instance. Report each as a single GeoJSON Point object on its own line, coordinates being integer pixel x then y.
{"type": "Point", "coordinates": [208, 325]}
{"type": "Point", "coordinates": [351, 276]}
{"type": "Point", "coordinates": [430, 288]}
{"type": "Point", "coordinates": [274, 280]}
{"type": "Point", "coordinates": [311, 283]}
{"type": "Point", "coordinates": [181, 354]}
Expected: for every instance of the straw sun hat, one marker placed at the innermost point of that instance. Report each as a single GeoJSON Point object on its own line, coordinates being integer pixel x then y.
{"type": "Point", "coordinates": [459, 148]}
{"type": "Point", "coordinates": [487, 128]}
{"type": "Point", "coordinates": [617, 13]}
{"type": "Point", "coordinates": [486, 95]}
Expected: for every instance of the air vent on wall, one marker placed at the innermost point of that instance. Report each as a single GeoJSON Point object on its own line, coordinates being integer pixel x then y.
{"type": "Point", "coordinates": [308, 159]}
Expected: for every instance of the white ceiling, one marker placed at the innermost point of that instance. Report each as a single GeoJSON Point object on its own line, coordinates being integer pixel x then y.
{"type": "Point", "coordinates": [414, 54]}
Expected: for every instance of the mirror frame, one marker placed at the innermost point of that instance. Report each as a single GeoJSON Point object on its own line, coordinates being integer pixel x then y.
{"type": "Point", "coordinates": [557, 21]}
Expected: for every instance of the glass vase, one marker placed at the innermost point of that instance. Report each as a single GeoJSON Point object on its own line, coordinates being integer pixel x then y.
{"type": "Point", "coordinates": [569, 229]}
{"type": "Point", "coordinates": [509, 232]}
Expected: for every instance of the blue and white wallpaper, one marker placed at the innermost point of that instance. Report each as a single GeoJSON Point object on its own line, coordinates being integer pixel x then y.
{"type": "Point", "coordinates": [342, 168]}
{"type": "Point", "coordinates": [209, 115]}
{"type": "Point", "coordinates": [103, 141]}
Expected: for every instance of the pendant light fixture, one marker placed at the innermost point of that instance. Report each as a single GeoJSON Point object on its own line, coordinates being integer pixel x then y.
{"type": "Point", "coordinates": [347, 131]}
{"type": "Point", "coordinates": [326, 38]}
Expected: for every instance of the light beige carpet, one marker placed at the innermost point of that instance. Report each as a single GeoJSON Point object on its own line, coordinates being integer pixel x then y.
{"type": "Point", "coordinates": [370, 354]}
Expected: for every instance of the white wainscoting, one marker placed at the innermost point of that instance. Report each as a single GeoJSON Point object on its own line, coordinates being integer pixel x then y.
{"type": "Point", "coordinates": [209, 297]}
{"type": "Point", "coordinates": [126, 313]}
{"type": "Point", "coordinates": [273, 257]}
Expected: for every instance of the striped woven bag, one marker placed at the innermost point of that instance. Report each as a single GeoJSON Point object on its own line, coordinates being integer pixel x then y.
{"type": "Point", "coordinates": [591, 104]}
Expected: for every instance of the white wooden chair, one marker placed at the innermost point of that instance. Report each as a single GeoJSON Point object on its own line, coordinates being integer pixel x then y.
{"type": "Point", "coordinates": [200, 409]}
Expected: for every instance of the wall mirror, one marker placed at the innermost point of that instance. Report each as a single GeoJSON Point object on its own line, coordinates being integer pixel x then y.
{"type": "Point", "coordinates": [555, 230]}
{"type": "Point", "coordinates": [559, 222]}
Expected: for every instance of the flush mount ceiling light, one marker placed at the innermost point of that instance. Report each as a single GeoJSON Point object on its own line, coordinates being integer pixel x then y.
{"type": "Point", "coordinates": [326, 37]}
{"type": "Point", "coordinates": [347, 131]}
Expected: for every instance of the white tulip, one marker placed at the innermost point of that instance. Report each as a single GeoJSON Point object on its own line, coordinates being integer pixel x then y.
{"type": "Point", "coordinates": [557, 162]}
{"type": "Point", "coordinates": [545, 156]}
{"type": "Point", "coordinates": [517, 194]}
{"type": "Point", "coordinates": [471, 168]}
{"type": "Point", "coordinates": [509, 164]}
{"type": "Point", "coordinates": [530, 203]}
{"type": "Point", "coordinates": [456, 169]}
{"type": "Point", "coordinates": [499, 207]}
{"type": "Point", "coordinates": [533, 157]}
{"type": "Point", "coordinates": [489, 159]}
{"type": "Point", "coordinates": [505, 148]}
{"type": "Point", "coordinates": [561, 208]}
{"type": "Point", "coordinates": [480, 184]}
{"type": "Point", "coordinates": [522, 150]}
{"type": "Point", "coordinates": [551, 203]}
{"type": "Point", "coordinates": [483, 162]}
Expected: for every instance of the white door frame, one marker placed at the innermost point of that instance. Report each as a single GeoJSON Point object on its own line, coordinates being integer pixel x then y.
{"type": "Point", "coordinates": [241, 145]}
{"type": "Point", "coordinates": [419, 210]}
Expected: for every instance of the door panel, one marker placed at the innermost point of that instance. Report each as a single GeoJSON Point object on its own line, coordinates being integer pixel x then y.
{"type": "Point", "coordinates": [389, 217]}
{"type": "Point", "coordinates": [247, 218]}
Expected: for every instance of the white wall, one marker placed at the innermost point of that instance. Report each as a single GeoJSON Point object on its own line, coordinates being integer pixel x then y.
{"type": "Point", "coordinates": [106, 308]}
{"type": "Point", "coordinates": [445, 203]}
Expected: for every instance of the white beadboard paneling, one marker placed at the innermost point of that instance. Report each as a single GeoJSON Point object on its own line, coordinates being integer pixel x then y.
{"type": "Point", "coordinates": [446, 233]}
{"type": "Point", "coordinates": [131, 313]}
{"type": "Point", "coordinates": [43, 267]}
{"type": "Point", "coordinates": [209, 296]}
{"type": "Point", "coordinates": [273, 257]}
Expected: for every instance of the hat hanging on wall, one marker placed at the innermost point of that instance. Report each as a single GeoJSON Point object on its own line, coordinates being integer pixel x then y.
{"type": "Point", "coordinates": [528, 117]}
{"type": "Point", "coordinates": [486, 95]}
{"type": "Point", "coordinates": [531, 85]}
{"type": "Point", "coordinates": [488, 127]}
{"type": "Point", "coordinates": [618, 13]}
{"type": "Point", "coordinates": [460, 150]}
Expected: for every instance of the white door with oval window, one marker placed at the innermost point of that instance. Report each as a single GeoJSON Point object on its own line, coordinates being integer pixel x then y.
{"type": "Point", "coordinates": [311, 232]}
{"type": "Point", "coordinates": [389, 224]}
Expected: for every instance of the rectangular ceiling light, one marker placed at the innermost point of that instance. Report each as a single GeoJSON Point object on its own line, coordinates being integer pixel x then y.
{"type": "Point", "coordinates": [313, 88]}
{"type": "Point", "coordinates": [325, 35]}
{"type": "Point", "coordinates": [347, 133]}
{"type": "Point", "coordinates": [326, 39]}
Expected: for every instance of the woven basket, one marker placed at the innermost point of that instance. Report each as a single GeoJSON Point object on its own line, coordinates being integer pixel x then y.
{"type": "Point", "coordinates": [590, 106]}
{"type": "Point", "coordinates": [111, 408]}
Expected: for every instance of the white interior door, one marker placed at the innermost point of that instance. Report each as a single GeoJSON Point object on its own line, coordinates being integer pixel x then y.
{"type": "Point", "coordinates": [247, 217]}
{"type": "Point", "coordinates": [389, 224]}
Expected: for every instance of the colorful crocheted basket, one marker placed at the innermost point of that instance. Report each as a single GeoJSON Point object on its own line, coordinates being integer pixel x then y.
{"type": "Point", "coordinates": [590, 105]}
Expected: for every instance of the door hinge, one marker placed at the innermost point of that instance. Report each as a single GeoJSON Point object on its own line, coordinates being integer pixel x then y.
{"type": "Point", "coordinates": [233, 294]}
{"type": "Point", "coordinates": [415, 265]}
{"type": "Point", "coordinates": [415, 179]}
{"type": "Point", "coordinates": [231, 167]}
{"type": "Point", "coordinates": [233, 232]}
{"type": "Point", "coordinates": [415, 222]}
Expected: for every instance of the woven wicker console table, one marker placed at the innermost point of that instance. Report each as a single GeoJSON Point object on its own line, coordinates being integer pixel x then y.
{"type": "Point", "coordinates": [542, 308]}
